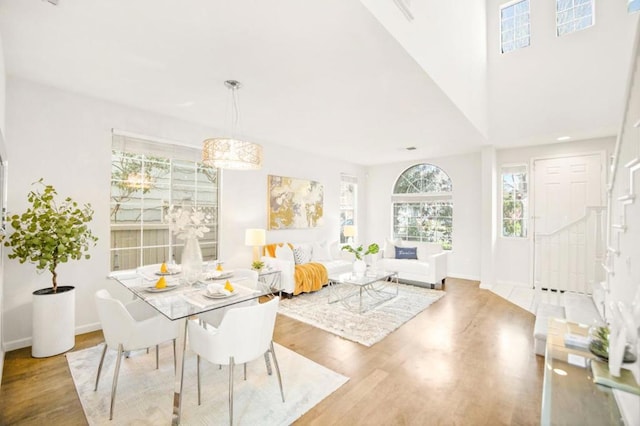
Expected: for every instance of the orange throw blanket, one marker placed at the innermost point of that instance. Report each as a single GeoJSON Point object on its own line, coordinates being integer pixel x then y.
{"type": "Point", "coordinates": [310, 277]}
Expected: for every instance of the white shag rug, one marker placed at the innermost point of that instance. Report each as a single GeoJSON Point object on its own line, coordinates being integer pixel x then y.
{"type": "Point", "coordinates": [367, 328]}
{"type": "Point", "coordinates": [145, 395]}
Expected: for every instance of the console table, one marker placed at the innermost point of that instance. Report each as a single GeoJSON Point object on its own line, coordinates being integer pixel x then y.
{"type": "Point", "coordinates": [569, 395]}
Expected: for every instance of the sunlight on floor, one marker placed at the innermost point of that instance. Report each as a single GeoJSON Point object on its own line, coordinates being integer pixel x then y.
{"type": "Point", "coordinates": [521, 296]}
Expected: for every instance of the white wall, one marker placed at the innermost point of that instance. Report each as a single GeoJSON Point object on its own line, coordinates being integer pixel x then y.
{"type": "Point", "coordinates": [464, 171]}
{"type": "Point", "coordinates": [455, 60]}
{"type": "Point", "coordinates": [580, 73]}
{"type": "Point", "coordinates": [513, 255]}
{"type": "Point", "coordinates": [66, 138]}
{"type": "Point", "coordinates": [624, 284]}
{"type": "Point", "coordinates": [2, 132]}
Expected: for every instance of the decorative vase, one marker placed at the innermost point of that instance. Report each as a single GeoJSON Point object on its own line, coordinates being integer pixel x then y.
{"type": "Point", "coordinates": [359, 268]}
{"type": "Point", "coordinates": [191, 262]}
{"type": "Point", "coordinates": [53, 328]}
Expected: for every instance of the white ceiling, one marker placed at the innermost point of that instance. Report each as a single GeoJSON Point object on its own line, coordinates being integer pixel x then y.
{"type": "Point", "coordinates": [323, 76]}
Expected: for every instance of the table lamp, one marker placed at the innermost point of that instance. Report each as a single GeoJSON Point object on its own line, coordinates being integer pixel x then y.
{"type": "Point", "coordinates": [349, 231]}
{"type": "Point", "coordinates": [255, 238]}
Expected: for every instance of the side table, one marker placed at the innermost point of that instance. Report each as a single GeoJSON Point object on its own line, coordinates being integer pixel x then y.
{"type": "Point", "coordinates": [270, 281]}
{"type": "Point", "coordinates": [569, 395]}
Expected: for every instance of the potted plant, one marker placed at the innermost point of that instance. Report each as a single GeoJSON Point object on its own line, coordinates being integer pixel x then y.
{"type": "Point", "coordinates": [257, 265]}
{"type": "Point", "coordinates": [47, 234]}
{"type": "Point", "coordinates": [359, 265]}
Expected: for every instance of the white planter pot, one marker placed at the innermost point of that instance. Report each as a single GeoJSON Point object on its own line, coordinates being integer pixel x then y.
{"type": "Point", "coordinates": [54, 320]}
{"type": "Point", "coordinates": [359, 268]}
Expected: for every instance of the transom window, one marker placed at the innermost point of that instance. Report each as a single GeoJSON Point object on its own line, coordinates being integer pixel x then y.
{"type": "Point", "coordinates": [515, 201]}
{"type": "Point", "coordinates": [573, 15]}
{"type": "Point", "coordinates": [146, 178]}
{"type": "Point", "coordinates": [423, 206]}
{"type": "Point", "coordinates": [515, 28]}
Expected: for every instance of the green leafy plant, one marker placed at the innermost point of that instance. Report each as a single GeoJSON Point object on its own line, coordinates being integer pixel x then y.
{"type": "Point", "coordinates": [257, 265]}
{"type": "Point", "coordinates": [360, 252]}
{"type": "Point", "coordinates": [48, 234]}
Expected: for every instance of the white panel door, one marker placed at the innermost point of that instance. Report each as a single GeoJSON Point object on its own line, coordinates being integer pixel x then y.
{"type": "Point", "coordinates": [564, 244]}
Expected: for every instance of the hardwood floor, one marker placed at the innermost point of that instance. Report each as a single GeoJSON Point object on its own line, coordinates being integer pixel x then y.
{"type": "Point", "coordinates": [467, 359]}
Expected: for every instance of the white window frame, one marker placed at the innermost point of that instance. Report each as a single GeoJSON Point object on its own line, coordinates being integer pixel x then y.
{"type": "Point", "coordinates": [137, 251]}
{"type": "Point", "coordinates": [348, 208]}
{"type": "Point", "coordinates": [512, 4]}
{"type": "Point", "coordinates": [573, 5]}
{"type": "Point", "coordinates": [425, 201]}
{"type": "Point", "coordinates": [515, 169]}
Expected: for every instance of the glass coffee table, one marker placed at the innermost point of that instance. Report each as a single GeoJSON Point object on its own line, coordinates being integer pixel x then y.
{"type": "Point", "coordinates": [363, 293]}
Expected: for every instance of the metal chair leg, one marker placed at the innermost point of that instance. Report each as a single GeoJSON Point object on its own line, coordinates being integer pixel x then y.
{"type": "Point", "coordinates": [157, 357]}
{"type": "Point", "coordinates": [275, 363]}
{"type": "Point", "coordinates": [198, 374]}
{"type": "Point", "coordinates": [267, 363]}
{"type": "Point", "coordinates": [104, 351]}
{"type": "Point", "coordinates": [114, 386]}
{"type": "Point", "coordinates": [245, 371]}
{"type": "Point", "coordinates": [231, 365]}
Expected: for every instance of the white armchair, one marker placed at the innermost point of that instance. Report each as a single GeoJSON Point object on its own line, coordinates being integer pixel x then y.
{"type": "Point", "coordinates": [426, 265]}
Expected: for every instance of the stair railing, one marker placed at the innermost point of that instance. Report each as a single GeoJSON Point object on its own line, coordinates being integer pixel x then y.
{"type": "Point", "coordinates": [570, 258]}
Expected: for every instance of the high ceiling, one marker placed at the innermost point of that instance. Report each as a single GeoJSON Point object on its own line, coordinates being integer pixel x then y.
{"type": "Point", "coordinates": [322, 76]}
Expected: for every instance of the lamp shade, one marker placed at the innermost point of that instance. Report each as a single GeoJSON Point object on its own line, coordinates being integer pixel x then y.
{"type": "Point", "coordinates": [228, 153]}
{"type": "Point", "coordinates": [349, 231]}
{"type": "Point", "coordinates": [254, 237]}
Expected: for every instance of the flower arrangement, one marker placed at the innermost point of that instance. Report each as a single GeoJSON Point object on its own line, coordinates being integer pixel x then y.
{"type": "Point", "coordinates": [186, 222]}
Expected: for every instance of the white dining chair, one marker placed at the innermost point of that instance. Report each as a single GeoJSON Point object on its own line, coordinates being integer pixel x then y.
{"type": "Point", "coordinates": [127, 328]}
{"type": "Point", "coordinates": [244, 334]}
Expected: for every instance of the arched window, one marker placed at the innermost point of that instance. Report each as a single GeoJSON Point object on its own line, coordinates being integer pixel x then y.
{"type": "Point", "coordinates": [423, 206]}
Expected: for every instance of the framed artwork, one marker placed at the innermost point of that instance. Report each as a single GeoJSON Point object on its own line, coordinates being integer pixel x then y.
{"type": "Point", "coordinates": [294, 203]}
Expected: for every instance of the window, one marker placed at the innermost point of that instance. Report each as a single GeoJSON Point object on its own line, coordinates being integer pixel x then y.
{"type": "Point", "coordinates": [633, 5]}
{"type": "Point", "coordinates": [515, 201]}
{"type": "Point", "coordinates": [515, 30]}
{"type": "Point", "coordinates": [423, 206]}
{"type": "Point", "coordinates": [146, 178]}
{"type": "Point", "coordinates": [348, 203]}
{"type": "Point", "coordinates": [573, 15]}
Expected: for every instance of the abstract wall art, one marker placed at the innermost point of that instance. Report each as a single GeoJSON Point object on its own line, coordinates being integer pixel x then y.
{"type": "Point", "coordinates": [294, 203]}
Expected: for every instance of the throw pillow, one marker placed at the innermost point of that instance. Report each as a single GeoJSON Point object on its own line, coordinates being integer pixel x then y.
{"type": "Point", "coordinates": [320, 251]}
{"type": "Point", "coordinates": [406, 253]}
{"type": "Point", "coordinates": [390, 248]}
{"type": "Point", "coordinates": [284, 252]}
{"type": "Point", "coordinates": [302, 254]}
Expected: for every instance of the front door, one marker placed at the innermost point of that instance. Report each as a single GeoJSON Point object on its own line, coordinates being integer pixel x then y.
{"type": "Point", "coordinates": [568, 194]}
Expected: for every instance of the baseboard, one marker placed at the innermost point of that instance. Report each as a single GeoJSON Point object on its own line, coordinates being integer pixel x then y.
{"type": "Point", "coordinates": [463, 277]}
{"type": "Point", "coordinates": [26, 342]}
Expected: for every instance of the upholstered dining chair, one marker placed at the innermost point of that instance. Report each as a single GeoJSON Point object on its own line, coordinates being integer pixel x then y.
{"type": "Point", "coordinates": [127, 328]}
{"type": "Point", "coordinates": [245, 334]}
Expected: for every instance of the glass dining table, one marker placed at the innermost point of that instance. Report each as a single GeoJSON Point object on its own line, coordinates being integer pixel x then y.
{"type": "Point", "coordinates": [178, 302]}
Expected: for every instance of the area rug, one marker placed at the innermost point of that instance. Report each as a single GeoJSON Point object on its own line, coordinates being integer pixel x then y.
{"type": "Point", "coordinates": [367, 328]}
{"type": "Point", "coordinates": [145, 395]}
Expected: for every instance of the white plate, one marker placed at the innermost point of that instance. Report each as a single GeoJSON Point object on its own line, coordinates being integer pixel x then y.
{"type": "Point", "coordinates": [162, 274]}
{"type": "Point", "coordinates": [222, 276]}
{"type": "Point", "coordinates": [218, 295]}
{"type": "Point", "coordinates": [169, 287]}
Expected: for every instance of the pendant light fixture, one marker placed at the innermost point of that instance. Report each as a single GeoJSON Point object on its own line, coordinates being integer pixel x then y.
{"type": "Point", "coordinates": [230, 152]}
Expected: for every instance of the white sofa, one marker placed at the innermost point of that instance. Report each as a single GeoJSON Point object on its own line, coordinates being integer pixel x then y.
{"type": "Point", "coordinates": [324, 253]}
{"type": "Point", "coordinates": [428, 269]}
